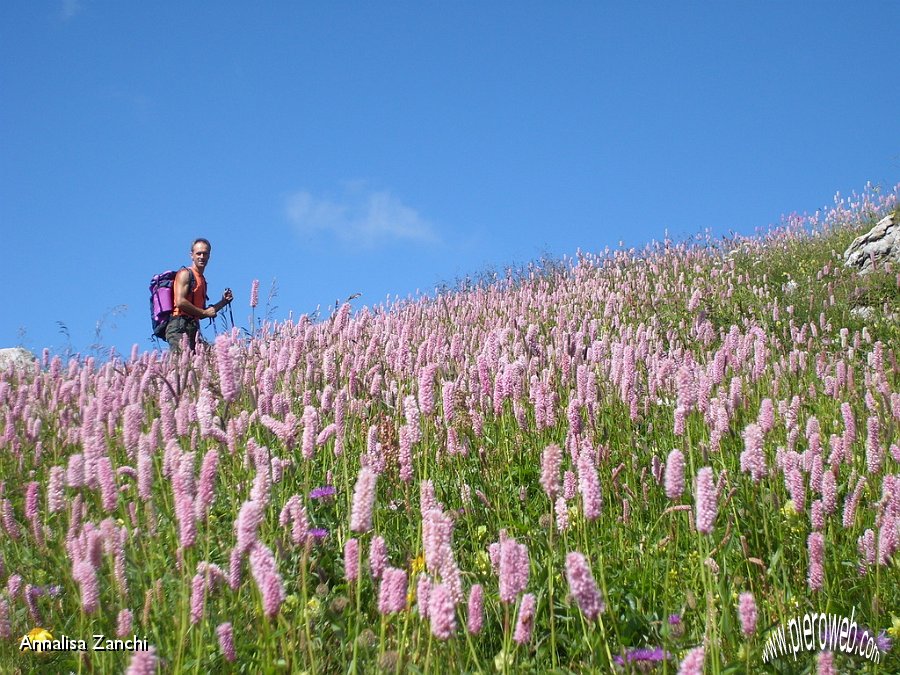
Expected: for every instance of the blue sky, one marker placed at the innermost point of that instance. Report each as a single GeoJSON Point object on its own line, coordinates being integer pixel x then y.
{"type": "Point", "coordinates": [383, 148]}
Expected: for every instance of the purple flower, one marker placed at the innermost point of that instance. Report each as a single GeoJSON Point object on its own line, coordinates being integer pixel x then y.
{"type": "Point", "coordinates": [318, 533]}
{"type": "Point", "coordinates": [53, 590]}
{"type": "Point", "coordinates": [676, 627]}
{"type": "Point", "coordinates": [642, 658]}
{"type": "Point", "coordinates": [883, 642]}
{"type": "Point", "coordinates": [323, 492]}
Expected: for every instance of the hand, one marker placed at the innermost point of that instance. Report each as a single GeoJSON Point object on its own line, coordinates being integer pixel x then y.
{"type": "Point", "coordinates": [210, 312]}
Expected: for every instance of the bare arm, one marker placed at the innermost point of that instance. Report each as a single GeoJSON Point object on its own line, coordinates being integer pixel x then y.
{"type": "Point", "coordinates": [180, 293]}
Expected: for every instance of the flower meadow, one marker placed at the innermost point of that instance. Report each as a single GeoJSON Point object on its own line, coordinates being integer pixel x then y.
{"type": "Point", "coordinates": [631, 461]}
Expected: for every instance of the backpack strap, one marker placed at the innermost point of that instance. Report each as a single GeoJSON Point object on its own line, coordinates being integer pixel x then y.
{"type": "Point", "coordinates": [191, 280]}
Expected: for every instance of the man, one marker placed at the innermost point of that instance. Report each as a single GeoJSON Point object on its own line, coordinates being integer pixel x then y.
{"type": "Point", "coordinates": [190, 299]}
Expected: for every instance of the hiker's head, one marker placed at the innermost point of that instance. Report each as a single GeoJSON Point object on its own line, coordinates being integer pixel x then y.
{"type": "Point", "coordinates": [200, 250]}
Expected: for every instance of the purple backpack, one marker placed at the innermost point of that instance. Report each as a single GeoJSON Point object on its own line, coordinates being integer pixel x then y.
{"type": "Point", "coordinates": [162, 299]}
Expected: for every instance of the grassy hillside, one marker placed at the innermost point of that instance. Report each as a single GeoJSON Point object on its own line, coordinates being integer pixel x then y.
{"type": "Point", "coordinates": [635, 461]}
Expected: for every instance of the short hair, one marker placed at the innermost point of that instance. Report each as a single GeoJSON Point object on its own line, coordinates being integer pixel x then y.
{"type": "Point", "coordinates": [201, 240]}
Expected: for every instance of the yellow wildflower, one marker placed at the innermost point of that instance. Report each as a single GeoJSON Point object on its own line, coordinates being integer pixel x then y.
{"type": "Point", "coordinates": [894, 630]}
{"type": "Point", "coordinates": [789, 509]}
{"type": "Point", "coordinates": [36, 635]}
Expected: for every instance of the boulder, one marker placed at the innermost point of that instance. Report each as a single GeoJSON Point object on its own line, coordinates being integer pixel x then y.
{"type": "Point", "coordinates": [17, 358]}
{"type": "Point", "coordinates": [882, 243]}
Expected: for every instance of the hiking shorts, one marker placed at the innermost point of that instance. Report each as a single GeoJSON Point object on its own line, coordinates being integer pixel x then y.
{"type": "Point", "coordinates": [178, 327]}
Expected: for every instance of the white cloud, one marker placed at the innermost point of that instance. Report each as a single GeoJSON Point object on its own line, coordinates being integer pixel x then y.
{"type": "Point", "coordinates": [69, 9]}
{"type": "Point", "coordinates": [360, 216]}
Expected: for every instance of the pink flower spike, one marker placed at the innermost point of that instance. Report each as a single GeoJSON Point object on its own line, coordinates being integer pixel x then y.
{"type": "Point", "coordinates": [123, 623]}
{"type": "Point", "coordinates": [475, 609]}
{"type": "Point", "coordinates": [582, 585]}
{"type": "Point", "coordinates": [143, 662]}
{"type": "Point", "coordinates": [525, 620]}
{"type": "Point", "coordinates": [392, 594]}
{"type": "Point", "coordinates": [551, 460]}
{"type": "Point", "coordinates": [363, 501]}
{"type": "Point", "coordinates": [225, 633]}
{"type": "Point", "coordinates": [816, 545]}
{"type": "Point", "coordinates": [705, 498]}
{"type": "Point", "coordinates": [378, 557]}
{"type": "Point", "coordinates": [513, 570]}
{"type": "Point", "coordinates": [674, 474]}
{"type": "Point", "coordinates": [351, 559]}
{"type": "Point", "coordinates": [693, 662]}
{"type": "Point", "coordinates": [747, 613]}
{"type": "Point", "coordinates": [442, 612]}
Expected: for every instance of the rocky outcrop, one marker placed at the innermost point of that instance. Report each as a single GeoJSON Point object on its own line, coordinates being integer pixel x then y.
{"type": "Point", "coordinates": [17, 358]}
{"type": "Point", "coordinates": [881, 244]}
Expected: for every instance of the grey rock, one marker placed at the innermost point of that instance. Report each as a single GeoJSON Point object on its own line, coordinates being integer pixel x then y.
{"type": "Point", "coordinates": [882, 243]}
{"type": "Point", "coordinates": [17, 358]}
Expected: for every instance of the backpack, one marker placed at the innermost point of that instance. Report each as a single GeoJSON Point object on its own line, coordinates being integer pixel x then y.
{"type": "Point", "coordinates": [162, 299]}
